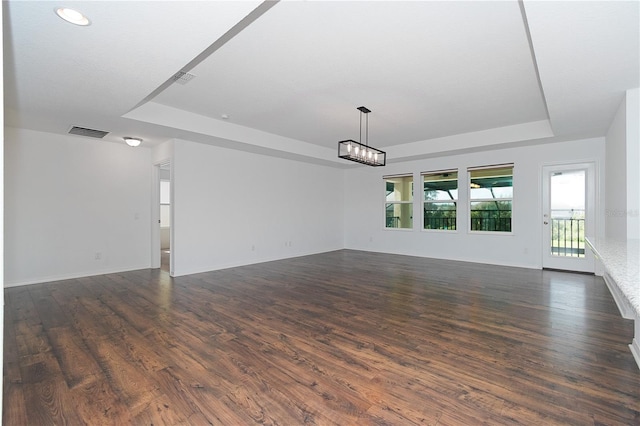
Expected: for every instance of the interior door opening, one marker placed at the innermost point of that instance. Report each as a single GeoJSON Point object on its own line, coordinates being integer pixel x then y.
{"type": "Point", "coordinates": [165, 217]}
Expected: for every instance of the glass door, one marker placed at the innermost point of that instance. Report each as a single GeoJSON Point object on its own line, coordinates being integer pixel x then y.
{"type": "Point", "coordinates": [568, 217]}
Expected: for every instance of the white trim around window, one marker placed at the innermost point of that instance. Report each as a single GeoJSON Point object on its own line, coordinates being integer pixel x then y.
{"type": "Point", "coordinates": [490, 205]}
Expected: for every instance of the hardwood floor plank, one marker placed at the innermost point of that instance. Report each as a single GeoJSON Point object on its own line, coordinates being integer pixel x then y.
{"type": "Point", "coordinates": [30, 339]}
{"type": "Point", "coordinates": [171, 381]}
{"type": "Point", "coordinates": [75, 361]}
{"type": "Point", "coordinates": [132, 386]}
{"type": "Point", "coordinates": [50, 313]}
{"type": "Point", "coordinates": [337, 338]}
{"type": "Point", "coordinates": [159, 411]}
{"type": "Point", "coordinates": [97, 404]}
{"type": "Point", "coordinates": [23, 310]}
{"type": "Point", "coordinates": [11, 360]}
{"type": "Point", "coordinates": [14, 404]}
{"type": "Point", "coordinates": [47, 397]}
{"type": "Point", "coordinates": [45, 407]}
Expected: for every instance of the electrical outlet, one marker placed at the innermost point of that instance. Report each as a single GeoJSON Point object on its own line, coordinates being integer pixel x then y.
{"type": "Point", "coordinates": [98, 255]}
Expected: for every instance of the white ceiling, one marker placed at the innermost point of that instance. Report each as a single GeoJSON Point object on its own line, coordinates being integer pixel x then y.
{"type": "Point", "coordinates": [438, 76]}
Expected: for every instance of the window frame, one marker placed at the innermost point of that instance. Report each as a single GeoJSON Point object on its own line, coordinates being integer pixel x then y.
{"type": "Point", "coordinates": [471, 200]}
{"type": "Point", "coordinates": [409, 202]}
{"type": "Point", "coordinates": [455, 201]}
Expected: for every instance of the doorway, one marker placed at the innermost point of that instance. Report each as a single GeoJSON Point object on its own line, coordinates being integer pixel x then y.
{"type": "Point", "coordinates": [162, 221]}
{"type": "Point", "coordinates": [568, 216]}
{"type": "Point", "coordinates": [165, 216]}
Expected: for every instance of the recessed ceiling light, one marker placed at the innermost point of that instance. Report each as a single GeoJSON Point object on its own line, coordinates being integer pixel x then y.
{"type": "Point", "coordinates": [72, 16]}
{"type": "Point", "coordinates": [132, 141]}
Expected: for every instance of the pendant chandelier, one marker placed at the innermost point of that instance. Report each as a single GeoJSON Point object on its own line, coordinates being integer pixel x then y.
{"type": "Point", "coordinates": [362, 152]}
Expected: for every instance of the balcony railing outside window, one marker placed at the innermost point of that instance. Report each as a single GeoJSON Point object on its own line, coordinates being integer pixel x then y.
{"type": "Point", "coordinates": [490, 221]}
{"type": "Point", "coordinates": [434, 219]}
{"type": "Point", "coordinates": [567, 233]}
{"type": "Point", "coordinates": [440, 197]}
{"type": "Point", "coordinates": [491, 216]}
{"type": "Point", "coordinates": [491, 198]}
{"type": "Point", "coordinates": [393, 222]}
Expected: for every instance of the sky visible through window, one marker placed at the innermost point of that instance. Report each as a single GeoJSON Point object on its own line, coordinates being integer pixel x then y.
{"type": "Point", "coordinates": [568, 190]}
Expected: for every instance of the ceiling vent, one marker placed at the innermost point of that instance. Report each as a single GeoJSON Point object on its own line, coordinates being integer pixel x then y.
{"type": "Point", "coordinates": [182, 77]}
{"type": "Point", "coordinates": [92, 133]}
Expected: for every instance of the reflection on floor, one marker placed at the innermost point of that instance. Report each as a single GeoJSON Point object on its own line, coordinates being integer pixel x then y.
{"type": "Point", "coordinates": [165, 255]}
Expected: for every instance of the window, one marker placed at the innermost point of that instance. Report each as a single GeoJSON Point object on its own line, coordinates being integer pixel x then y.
{"type": "Point", "coordinates": [491, 198]}
{"type": "Point", "coordinates": [440, 191]}
{"type": "Point", "coordinates": [399, 201]}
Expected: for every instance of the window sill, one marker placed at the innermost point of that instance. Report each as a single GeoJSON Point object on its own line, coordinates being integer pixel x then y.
{"type": "Point", "coordinates": [443, 231]}
{"type": "Point", "coordinates": [489, 233]}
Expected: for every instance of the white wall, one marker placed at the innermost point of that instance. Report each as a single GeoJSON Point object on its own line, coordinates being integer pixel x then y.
{"type": "Point", "coordinates": [233, 208]}
{"type": "Point", "coordinates": [161, 154]}
{"type": "Point", "coordinates": [615, 194]}
{"type": "Point", "coordinates": [633, 162]}
{"type": "Point", "coordinates": [622, 191]}
{"type": "Point", "coordinates": [364, 206]}
{"type": "Point", "coordinates": [70, 200]}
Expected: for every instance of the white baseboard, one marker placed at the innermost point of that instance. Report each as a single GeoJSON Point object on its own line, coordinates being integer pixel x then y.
{"type": "Point", "coordinates": [635, 350]}
{"type": "Point", "coordinates": [626, 311]}
{"type": "Point", "coordinates": [246, 262]}
{"type": "Point", "coordinates": [451, 258]}
{"type": "Point", "coordinates": [72, 276]}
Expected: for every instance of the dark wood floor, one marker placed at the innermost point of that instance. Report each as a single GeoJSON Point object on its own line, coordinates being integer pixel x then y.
{"type": "Point", "coordinates": [339, 338]}
{"type": "Point", "coordinates": [165, 259]}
